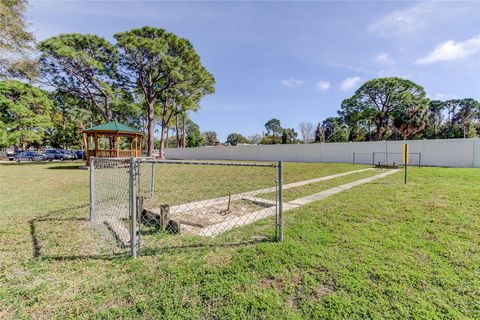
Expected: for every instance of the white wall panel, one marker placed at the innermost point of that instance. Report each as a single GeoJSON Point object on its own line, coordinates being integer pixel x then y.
{"type": "Point", "coordinates": [449, 153]}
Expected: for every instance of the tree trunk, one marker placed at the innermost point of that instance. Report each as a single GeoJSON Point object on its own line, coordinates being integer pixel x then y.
{"type": "Point", "coordinates": [184, 120]}
{"type": "Point", "coordinates": [150, 130]}
{"type": "Point", "coordinates": [177, 132]}
{"type": "Point", "coordinates": [379, 130]}
{"type": "Point", "coordinates": [162, 142]}
{"type": "Point", "coordinates": [168, 129]}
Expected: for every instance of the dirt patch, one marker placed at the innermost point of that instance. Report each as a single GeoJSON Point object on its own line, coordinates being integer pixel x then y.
{"type": "Point", "coordinates": [437, 203]}
{"type": "Point", "coordinates": [219, 258]}
{"type": "Point", "coordinates": [327, 288]}
{"type": "Point", "coordinates": [213, 214]}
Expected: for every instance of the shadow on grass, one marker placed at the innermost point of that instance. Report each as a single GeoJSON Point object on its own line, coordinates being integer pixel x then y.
{"type": "Point", "coordinates": [23, 163]}
{"type": "Point", "coordinates": [151, 251]}
{"type": "Point", "coordinates": [67, 167]}
{"type": "Point", "coordinates": [56, 217]}
{"type": "Point", "coordinates": [74, 164]}
{"type": "Point", "coordinates": [36, 247]}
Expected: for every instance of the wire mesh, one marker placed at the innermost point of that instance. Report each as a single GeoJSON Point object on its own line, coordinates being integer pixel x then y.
{"type": "Point", "coordinates": [110, 199]}
{"type": "Point", "coordinates": [390, 158]}
{"type": "Point", "coordinates": [168, 204]}
{"type": "Point", "coordinates": [362, 158]}
{"type": "Point", "coordinates": [186, 203]}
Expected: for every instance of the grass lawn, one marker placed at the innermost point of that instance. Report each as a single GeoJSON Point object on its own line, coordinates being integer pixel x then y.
{"type": "Point", "coordinates": [380, 250]}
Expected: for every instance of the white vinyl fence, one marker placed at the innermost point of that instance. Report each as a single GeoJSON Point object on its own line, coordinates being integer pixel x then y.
{"type": "Point", "coordinates": [449, 153]}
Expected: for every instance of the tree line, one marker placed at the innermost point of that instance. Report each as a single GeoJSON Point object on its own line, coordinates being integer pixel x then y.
{"type": "Point", "coordinates": [148, 78]}
{"type": "Point", "coordinates": [152, 79]}
{"type": "Point", "coordinates": [383, 108]}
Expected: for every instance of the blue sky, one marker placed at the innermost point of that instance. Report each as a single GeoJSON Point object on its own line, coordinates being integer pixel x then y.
{"type": "Point", "coordinates": [295, 61]}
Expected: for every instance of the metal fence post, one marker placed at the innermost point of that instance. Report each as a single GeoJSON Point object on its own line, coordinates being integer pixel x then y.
{"type": "Point", "coordinates": [91, 212]}
{"type": "Point", "coordinates": [373, 159]}
{"type": "Point", "coordinates": [420, 160]}
{"type": "Point", "coordinates": [133, 207]}
{"type": "Point", "coordinates": [280, 200]}
{"type": "Point", "coordinates": [354, 158]}
{"type": "Point", "coordinates": [152, 179]}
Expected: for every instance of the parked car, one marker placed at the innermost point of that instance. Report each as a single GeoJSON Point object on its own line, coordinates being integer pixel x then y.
{"type": "Point", "coordinates": [68, 155]}
{"type": "Point", "coordinates": [81, 154]}
{"type": "Point", "coordinates": [51, 155]}
{"type": "Point", "coordinates": [11, 154]}
{"type": "Point", "coordinates": [59, 155]}
{"type": "Point", "coordinates": [29, 156]}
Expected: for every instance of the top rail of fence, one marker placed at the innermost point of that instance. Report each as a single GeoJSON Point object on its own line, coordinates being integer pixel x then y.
{"type": "Point", "coordinates": [394, 152]}
{"type": "Point", "coordinates": [210, 163]}
{"type": "Point", "coordinates": [111, 159]}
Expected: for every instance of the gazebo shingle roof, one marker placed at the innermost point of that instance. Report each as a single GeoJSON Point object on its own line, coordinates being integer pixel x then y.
{"type": "Point", "coordinates": [113, 126]}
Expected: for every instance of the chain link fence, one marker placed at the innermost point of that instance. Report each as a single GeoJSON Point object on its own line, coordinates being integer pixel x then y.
{"type": "Point", "coordinates": [150, 205]}
{"type": "Point", "coordinates": [386, 158]}
{"type": "Point", "coordinates": [110, 200]}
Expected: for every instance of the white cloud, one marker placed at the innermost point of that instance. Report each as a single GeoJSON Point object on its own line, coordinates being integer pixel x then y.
{"type": "Point", "coordinates": [418, 18]}
{"type": "Point", "coordinates": [442, 96]}
{"type": "Point", "coordinates": [384, 58]}
{"type": "Point", "coordinates": [350, 83]}
{"type": "Point", "coordinates": [451, 50]}
{"type": "Point", "coordinates": [323, 85]}
{"type": "Point", "coordinates": [292, 82]}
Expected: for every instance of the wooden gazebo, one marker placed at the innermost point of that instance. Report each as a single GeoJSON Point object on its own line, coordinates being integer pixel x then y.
{"type": "Point", "coordinates": [113, 140]}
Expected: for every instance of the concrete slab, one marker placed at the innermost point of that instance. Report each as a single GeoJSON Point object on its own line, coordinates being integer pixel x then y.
{"type": "Point", "coordinates": [154, 207]}
{"type": "Point", "coordinates": [120, 231]}
{"type": "Point", "coordinates": [182, 214]}
{"type": "Point", "coordinates": [332, 191]}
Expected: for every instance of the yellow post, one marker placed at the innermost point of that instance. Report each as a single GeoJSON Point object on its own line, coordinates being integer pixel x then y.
{"type": "Point", "coordinates": [405, 154]}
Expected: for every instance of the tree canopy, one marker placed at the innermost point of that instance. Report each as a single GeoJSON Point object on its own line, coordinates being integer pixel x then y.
{"type": "Point", "coordinates": [273, 127]}
{"type": "Point", "coordinates": [25, 114]}
{"type": "Point", "coordinates": [236, 138]}
{"type": "Point", "coordinates": [193, 135]}
{"type": "Point", "coordinates": [289, 136]}
{"type": "Point", "coordinates": [382, 97]}
{"type": "Point", "coordinates": [210, 138]}
{"type": "Point", "coordinates": [15, 41]}
{"type": "Point", "coordinates": [167, 71]}
{"type": "Point", "coordinates": [85, 66]}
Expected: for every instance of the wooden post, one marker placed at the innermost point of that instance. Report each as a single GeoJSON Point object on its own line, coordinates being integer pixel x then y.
{"type": "Point", "coordinates": [164, 216]}
{"type": "Point", "coordinates": [87, 147]}
{"type": "Point", "coordinates": [96, 144]}
{"type": "Point", "coordinates": [140, 147]}
{"type": "Point", "coordinates": [136, 146]}
{"type": "Point", "coordinates": [117, 144]}
{"type": "Point", "coordinates": [131, 144]}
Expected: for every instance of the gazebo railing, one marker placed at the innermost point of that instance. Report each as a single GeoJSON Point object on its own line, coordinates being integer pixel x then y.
{"type": "Point", "coordinates": [128, 153]}
{"type": "Point", "coordinates": [109, 153]}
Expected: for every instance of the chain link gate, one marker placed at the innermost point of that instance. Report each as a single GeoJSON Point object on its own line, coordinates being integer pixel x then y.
{"type": "Point", "coordinates": [110, 200]}
{"type": "Point", "coordinates": [166, 204]}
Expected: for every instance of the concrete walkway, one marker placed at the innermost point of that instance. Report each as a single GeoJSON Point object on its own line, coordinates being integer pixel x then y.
{"type": "Point", "coordinates": [155, 207]}
{"type": "Point", "coordinates": [220, 228]}
{"type": "Point", "coordinates": [327, 193]}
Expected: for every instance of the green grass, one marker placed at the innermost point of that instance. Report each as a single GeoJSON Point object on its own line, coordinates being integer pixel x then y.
{"type": "Point", "coordinates": [383, 250]}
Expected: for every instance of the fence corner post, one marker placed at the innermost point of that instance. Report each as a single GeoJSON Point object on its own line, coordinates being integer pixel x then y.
{"type": "Point", "coordinates": [280, 200]}
{"type": "Point", "coordinates": [91, 210]}
{"type": "Point", "coordinates": [152, 179]}
{"type": "Point", "coordinates": [133, 207]}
